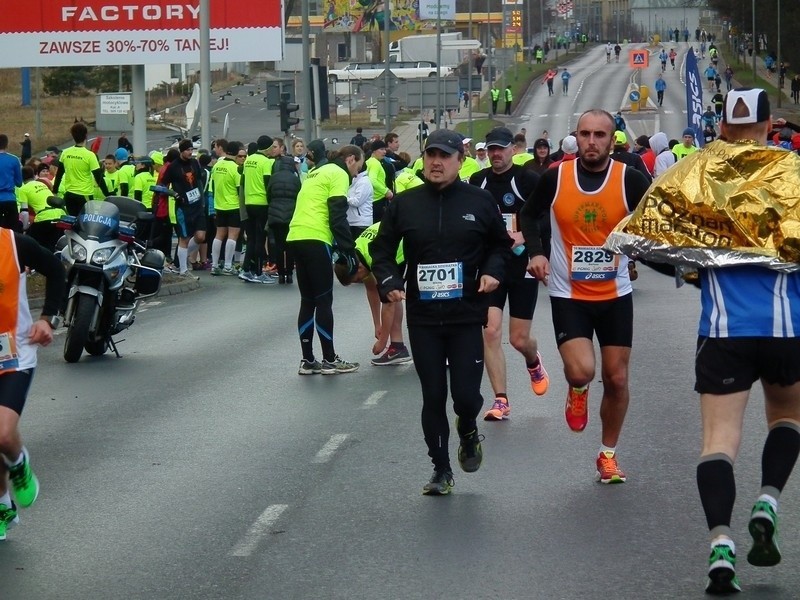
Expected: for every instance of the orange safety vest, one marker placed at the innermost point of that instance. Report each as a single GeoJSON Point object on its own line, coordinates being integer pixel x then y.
{"type": "Point", "coordinates": [581, 221]}
{"type": "Point", "coordinates": [9, 301]}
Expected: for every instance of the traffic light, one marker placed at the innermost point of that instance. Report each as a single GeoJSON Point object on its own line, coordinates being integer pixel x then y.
{"type": "Point", "coordinates": [287, 108]}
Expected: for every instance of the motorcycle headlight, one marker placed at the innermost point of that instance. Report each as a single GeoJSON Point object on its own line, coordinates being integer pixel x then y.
{"type": "Point", "coordinates": [77, 251]}
{"type": "Point", "coordinates": [101, 256]}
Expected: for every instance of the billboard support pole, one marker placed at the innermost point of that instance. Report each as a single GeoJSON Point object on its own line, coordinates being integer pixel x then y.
{"type": "Point", "coordinates": [139, 110]}
{"type": "Point", "coordinates": [205, 74]}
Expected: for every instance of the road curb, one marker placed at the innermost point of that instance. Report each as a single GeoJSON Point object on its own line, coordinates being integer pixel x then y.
{"type": "Point", "coordinates": [168, 289]}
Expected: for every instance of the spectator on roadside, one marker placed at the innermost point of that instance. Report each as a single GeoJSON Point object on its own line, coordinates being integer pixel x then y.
{"type": "Point", "coordinates": [358, 139]}
{"type": "Point", "coordinates": [642, 147]}
{"type": "Point", "coordinates": [10, 179]}
{"type": "Point", "coordinates": [282, 190]}
{"type": "Point", "coordinates": [78, 171]}
{"type": "Point", "coordinates": [124, 142]}
{"type": "Point", "coordinates": [728, 74]}
{"type": "Point", "coordinates": [25, 153]}
{"type": "Point", "coordinates": [664, 158]}
{"type": "Point", "coordinates": [541, 157]}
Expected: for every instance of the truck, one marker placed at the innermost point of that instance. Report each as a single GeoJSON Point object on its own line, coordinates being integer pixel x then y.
{"type": "Point", "coordinates": [423, 47]}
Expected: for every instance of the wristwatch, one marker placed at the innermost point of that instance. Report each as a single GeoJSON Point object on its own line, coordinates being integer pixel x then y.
{"type": "Point", "coordinates": [54, 321]}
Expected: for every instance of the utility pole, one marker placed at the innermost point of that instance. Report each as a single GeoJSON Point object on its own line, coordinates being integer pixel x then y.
{"type": "Point", "coordinates": [438, 65]}
{"type": "Point", "coordinates": [205, 74]}
{"type": "Point", "coordinates": [489, 47]}
{"type": "Point", "coordinates": [387, 90]}
{"type": "Point", "coordinates": [470, 66]}
{"type": "Point", "coordinates": [780, 86]}
{"type": "Point", "coordinates": [755, 43]}
{"type": "Point", "coordinates": [308, 125]}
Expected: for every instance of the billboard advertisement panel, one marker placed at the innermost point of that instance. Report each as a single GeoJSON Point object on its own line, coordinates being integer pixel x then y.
{"type": "Point", "coordinates": [73, 33]}
{"type": "Point", "coordinates": [367, 15]}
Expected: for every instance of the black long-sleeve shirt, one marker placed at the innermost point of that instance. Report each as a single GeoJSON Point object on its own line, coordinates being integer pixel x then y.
{"type": "Point", "coordinates": [33, 255]}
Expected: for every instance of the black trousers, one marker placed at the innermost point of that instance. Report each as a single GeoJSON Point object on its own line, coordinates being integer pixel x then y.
{"type": "Point", "coordinates": [46, 233]}
{"type": "Point", "coordinates": [255, 255]}
{"type": "Point", "coordinates": [73, 203]}
{"type": "Point", "coordinates": [282, 253]}
{"type": "Point", "coordinates": [434, 347]}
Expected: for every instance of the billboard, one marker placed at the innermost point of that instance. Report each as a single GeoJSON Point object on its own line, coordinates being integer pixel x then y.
{"type": "Point", "coordinates": [367, 15]}
{"type": "Point", "coordinates": [73, 33]}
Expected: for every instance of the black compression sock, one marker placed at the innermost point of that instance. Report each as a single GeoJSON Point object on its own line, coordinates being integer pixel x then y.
{"type": "Point", "coordinates": [717, 487]}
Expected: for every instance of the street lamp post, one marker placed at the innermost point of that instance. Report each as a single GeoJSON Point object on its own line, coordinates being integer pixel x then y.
{"type": "Point", "coordinates": [469, 70]}
{"type": "Point", "coordinates": [754, 42]}
{"type": "Point", "coordinates": [541, 19]}
{"type": "Point", "coordinates": [780, 83]}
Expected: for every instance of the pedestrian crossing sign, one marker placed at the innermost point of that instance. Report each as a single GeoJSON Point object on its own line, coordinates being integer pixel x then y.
{"type": "Point", "coordinates": [639, 59]}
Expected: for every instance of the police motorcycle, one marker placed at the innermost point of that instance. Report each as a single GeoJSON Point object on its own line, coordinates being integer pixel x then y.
{"type": "Point", "coordinates": [108, 273]}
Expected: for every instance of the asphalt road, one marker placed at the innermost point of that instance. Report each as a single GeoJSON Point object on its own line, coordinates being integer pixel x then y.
{"type": "Point", "coordinates": [597, 84]}
{"type": "Point", "coordinates": [200, 465]}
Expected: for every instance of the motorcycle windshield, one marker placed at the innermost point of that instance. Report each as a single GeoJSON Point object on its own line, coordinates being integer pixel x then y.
{"type": "Point", "coordinates": [98, 220]}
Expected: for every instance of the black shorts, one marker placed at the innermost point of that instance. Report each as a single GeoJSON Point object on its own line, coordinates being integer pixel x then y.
{"type": "Point", "coordinates": [611, 320]}
{"type": "Point", "coordinates": [14, 387]}
{"type": "Point", "coordinates": [228, 218]}
{"type": "Point", "coordinates": [729, 365]}
{"type": "Point", "coordinates": [189, 221]}
{"type": "Point", "coordinates": [522, 294]}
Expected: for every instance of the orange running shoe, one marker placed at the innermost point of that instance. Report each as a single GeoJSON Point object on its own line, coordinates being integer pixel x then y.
{"type": "Point", "coordinates": [540, 380]}
{"type": "Point", "coordinates": [576, 409]}
{"type": "Point", "coordinates": [499, 411]}
{"type": "Point", "coordinates": [608, 470]}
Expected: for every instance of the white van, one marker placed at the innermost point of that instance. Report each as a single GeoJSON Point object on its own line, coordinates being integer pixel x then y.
{"type": "Point", "coordinates": [403, 70]}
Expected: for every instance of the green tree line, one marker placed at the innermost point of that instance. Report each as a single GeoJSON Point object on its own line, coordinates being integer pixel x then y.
{"type": "Point", "coordinates": [76, 81]}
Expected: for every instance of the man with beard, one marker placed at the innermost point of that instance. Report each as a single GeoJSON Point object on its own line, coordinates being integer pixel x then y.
{"type": "Point", "coordinates": [511, 186]}
{"type": "Point", "coordinates": [590, 289]}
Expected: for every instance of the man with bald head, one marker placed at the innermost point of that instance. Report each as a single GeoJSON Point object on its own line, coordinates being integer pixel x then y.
{"type": "Point", "coordinates": [590, 289]}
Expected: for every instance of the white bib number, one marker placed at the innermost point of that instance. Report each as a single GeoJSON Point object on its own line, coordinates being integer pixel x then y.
{"type": "Point", "coordinates": [440, 281]}
{"type": "Point", "coordinates": [511, 222]}
{"type": "Point", "coordinates": [8, 352]}
{"type": "Point", "coordinates": [193, 195]}
{"type": "Point", "coordinates": [592, 263]}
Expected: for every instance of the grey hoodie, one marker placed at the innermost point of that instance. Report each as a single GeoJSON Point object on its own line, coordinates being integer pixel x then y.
{"type": "Point", "coordinates": [659, 144]}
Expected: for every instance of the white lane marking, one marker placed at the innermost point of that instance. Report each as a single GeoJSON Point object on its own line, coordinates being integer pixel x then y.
{"type": "Point", "coordinates": [373, 399]}
{"type": "Point", "coordinates": [328, 450]}
{"type": "Point", "coordinates": [258, 530]}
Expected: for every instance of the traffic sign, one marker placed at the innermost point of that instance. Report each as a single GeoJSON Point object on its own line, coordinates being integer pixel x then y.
{"type": "Point", "coordinates": [380, 80]}
{"type": "Point", "coordinates": [634, 96]}
{"type": "Point", "coordinates": [639, 59]}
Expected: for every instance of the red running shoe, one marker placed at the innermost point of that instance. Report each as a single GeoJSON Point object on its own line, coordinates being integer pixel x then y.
{"type": "Point", "coordinates": [576, 409]}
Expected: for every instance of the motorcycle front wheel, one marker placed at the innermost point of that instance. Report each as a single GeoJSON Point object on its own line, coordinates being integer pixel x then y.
{"type": "Point", "coordinates": [96, 348]}
{"type": "Point", "coordinates": [78, 332]}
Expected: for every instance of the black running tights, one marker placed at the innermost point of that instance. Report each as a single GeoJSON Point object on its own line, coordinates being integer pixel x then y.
{"type": "Point", "coordinates": [434, 346]}
{"type": "Point", "coordinates": [315, 282]}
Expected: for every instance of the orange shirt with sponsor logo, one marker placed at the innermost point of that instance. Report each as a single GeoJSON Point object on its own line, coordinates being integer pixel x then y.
{"type": "Point", "coordinates": [581, 221]}
{"type": "Point", "coordinates": [15, 316]}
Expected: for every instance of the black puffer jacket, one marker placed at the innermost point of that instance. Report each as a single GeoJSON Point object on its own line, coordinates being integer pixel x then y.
{"type": "Point", "coordinates": [284, 185]}
{"type": "Point", "coordinates": [460, 223]}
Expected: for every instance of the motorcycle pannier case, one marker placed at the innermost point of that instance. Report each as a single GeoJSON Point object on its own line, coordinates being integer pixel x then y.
{"type": "Point", "coordinates": [148, 279]}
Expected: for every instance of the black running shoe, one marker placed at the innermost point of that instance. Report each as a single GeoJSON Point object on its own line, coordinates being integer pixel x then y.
{"type": "Point", "coordinates": [440, 484]}
{"type": "Point", "coordinates": [470, 453]}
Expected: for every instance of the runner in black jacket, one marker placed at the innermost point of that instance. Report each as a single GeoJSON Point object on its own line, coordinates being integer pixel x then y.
{"type": "Point", "coordinates": [456, 249]}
